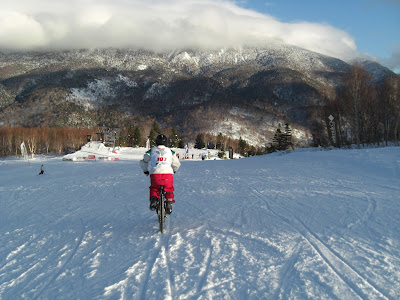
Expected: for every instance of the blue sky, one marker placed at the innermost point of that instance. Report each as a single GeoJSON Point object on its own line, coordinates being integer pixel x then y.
{"type": "Point", "coordinates": [374, 24]}
{"type": "Point", "coordinates": [342, 29]}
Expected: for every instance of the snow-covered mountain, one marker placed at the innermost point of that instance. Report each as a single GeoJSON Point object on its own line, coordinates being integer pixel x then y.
{"type": "Point", "coordinates": [306, 225]}
{"type": "Point", "coordinates": [242, 92]}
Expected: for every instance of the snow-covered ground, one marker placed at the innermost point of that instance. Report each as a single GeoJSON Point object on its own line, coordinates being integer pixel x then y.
{"type": "Point", "coordinates": [309, 224]}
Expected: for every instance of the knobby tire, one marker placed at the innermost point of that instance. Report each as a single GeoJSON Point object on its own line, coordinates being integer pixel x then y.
{"type": "Point", "coordinates": [161, 208]}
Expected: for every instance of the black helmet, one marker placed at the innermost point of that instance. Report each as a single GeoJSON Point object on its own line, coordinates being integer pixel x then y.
{"type": "Point", "coordinates": [161, 140]}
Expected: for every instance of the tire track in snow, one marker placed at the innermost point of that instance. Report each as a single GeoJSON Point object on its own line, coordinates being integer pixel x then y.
{"type": "Point", "coordinates": [165, 250]}
{"type": "Point", "coordinates": [63, 266]}
{"type": "Point", "coordinates": [371, 208]}
{"type": "Point", "coordinates": [80, 240]}
{"type": "Point", "coordinates": [368, 213]}
{"type": "Point", "coordinates": [171, 281]}
{"type": "Point", "coordinates": [159, 252]}
{"type": "Point", "coordinates": [249, 238]}
{"type": "Point", "coordinates": [288, 272]}
{"type": "Point", "coordinates": [201, 226]}
{"type": "Point", "coordinates": [205, 270]}
{"type": "Point", "coordinates": [165, 247]}
{"type": "Point", "coordinates": [137, 281]}
{"type": "Point", "coordinates": [19, 251]}
{"type": "Point", "coordinates": [348, 274]}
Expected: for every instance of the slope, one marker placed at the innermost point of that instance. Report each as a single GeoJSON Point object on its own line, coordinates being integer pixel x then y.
{"type": "Point", "coordinates": [310, 224]}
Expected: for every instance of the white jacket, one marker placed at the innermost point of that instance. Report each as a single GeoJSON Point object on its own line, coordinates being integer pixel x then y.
{"type": "Point", "coordinates": [160, 160]}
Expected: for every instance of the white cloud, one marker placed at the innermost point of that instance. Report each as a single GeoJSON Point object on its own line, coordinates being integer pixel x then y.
{"type": "Point", "coordinates": [156, 25]}
{"type": "Point", "coordinates": [20, 31]}
{"type": "Point", "coordinates": [394, 61]}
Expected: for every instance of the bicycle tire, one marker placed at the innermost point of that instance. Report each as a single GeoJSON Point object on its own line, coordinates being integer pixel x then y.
{"type": "Point", "coordinates": [161, 209]}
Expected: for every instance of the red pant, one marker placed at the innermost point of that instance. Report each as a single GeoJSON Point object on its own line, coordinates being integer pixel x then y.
{"type": "Point", "coordinates": [167, 180]}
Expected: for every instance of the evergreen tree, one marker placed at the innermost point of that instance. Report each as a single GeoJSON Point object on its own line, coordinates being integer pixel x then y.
{"type": "Point", "coordinates": [129, 136]}
{"type": "Point", "coordinates": [210, 145]}
{"type": "Point", "coordinates": [199, 142]}
{"type": "Point", "coordinates": [220, 144]}
{"type": "Point", "coordinates": [152, 137]}
{"type": "Point", "coordinates": [181, 144]}
{"type": "Point", "coordinates": [156, 128]}
{"type": "Point", "coordinates": [279, 140]}
{"type": "Point", "coordinates": [137, 137]}
{"type": "Point", "coordinates": [174, 139]}
{"type": "Point", "coordinates": [288, 136]}
{"type": "Point", "coordinates": [243, 147]}
{"type": "Point", "coordinates": [122, 139]}
{"type": "Point", "coordinates": [154, 131]}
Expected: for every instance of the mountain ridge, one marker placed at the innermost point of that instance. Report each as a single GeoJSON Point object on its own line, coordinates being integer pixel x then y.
{"type": "Point", "coordinates": [191, 90]}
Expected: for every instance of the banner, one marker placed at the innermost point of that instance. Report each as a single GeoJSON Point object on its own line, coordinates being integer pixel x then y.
{"type": "Point", "coordinates": [24, 153]}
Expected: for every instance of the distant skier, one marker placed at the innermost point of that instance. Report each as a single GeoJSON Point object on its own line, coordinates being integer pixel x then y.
{"type": "Point", "coordinates": [41, 170]}
{"type": "Point", "coordinates": [161, 163]}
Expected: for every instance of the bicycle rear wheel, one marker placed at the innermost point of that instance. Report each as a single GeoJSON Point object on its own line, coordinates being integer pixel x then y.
{"type": "Point", "coordinates": [161, 209]}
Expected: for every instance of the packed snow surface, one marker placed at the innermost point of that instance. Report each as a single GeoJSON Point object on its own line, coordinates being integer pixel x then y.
{"type": "Point", "coordinates": [308, 224]}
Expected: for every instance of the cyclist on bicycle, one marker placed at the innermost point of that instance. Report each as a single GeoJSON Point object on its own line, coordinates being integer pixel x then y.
{"type": "Point", "coordinates": [161, 163]}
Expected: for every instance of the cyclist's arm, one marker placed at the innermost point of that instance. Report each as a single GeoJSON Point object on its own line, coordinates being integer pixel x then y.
{"type": "Point", "coordinates": [144, 163]}
{"type": "Point", "coordinates": [175, 163]}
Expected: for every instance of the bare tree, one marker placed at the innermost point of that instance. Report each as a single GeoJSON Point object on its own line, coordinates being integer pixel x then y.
{"type": "Point", "coordinates": [357, 92]}
{"type": "Point", "coordinates": [32, 141]}
{"type": "Point", "coordinates": [390, 108]}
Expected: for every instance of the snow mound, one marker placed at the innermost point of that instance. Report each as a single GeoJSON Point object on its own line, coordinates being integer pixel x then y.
{"type": "Point", "coordinates": [93, 151]}
{"type": "Point", "coordinates": [98, 151]}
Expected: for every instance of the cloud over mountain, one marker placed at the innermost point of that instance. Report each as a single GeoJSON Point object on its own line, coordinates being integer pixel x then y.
{"type": "Point", "coordinates": [157, 25]}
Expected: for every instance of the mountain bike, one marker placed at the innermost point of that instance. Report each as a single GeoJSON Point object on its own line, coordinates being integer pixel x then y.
{"type": "Point", "coordinates": [161, 207]}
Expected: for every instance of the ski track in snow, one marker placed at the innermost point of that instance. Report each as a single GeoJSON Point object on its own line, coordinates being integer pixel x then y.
{"type": "Point", "coordinates": [307, 224]}
{"type": "Point", "coordinates": [343, 269]}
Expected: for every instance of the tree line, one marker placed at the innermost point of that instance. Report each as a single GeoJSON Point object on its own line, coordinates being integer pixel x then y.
{"type": "Point", "coordinates": [60, 141]}
{"type": "Point", "coordinates": [42, 140]}
{"type": "Point", "coordinates": [362, 112]}
{"type": "Point", "coordinates": [134, 137]}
